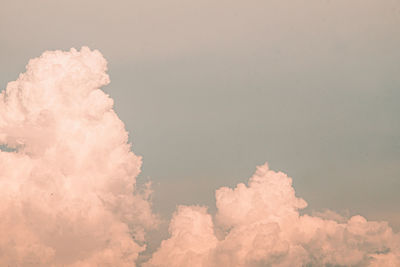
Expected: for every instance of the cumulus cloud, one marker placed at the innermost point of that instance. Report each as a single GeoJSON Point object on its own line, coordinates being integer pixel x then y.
{"type": "Point", "coordinates": [68, 194]}
{"type": "Point", "coordinates": [259, 225]}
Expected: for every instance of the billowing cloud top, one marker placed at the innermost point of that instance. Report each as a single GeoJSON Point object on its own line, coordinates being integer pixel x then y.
{"type": "Point", "coordinates": [68, 194]}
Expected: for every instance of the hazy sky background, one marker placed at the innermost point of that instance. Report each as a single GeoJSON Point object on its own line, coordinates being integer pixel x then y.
{"type": "Point", "coordinates": [210, 89]}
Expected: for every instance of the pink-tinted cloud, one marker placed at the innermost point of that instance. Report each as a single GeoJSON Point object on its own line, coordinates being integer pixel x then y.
{"type": "Point", "coordinates": [68, 196]}
{"type": "Point", "coordinates": [259, 225]}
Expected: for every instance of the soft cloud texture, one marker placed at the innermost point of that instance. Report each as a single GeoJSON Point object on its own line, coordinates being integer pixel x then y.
{"type": "Point", "coordinates": [259, 225]}
{"type": "Point", "coordinates": [68, 194]}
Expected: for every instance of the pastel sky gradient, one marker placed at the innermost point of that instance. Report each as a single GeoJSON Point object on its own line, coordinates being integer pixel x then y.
{"type": "Point", "coordinates": [210, 89]}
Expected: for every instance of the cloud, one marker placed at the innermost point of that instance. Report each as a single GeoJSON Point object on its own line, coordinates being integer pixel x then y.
{"type": "Point", "coordinates": [68, 194]}
{"type": "Point", "coordinates": [259, 225]}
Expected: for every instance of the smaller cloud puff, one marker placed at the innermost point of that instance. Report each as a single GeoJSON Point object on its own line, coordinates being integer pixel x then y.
{"type": "Point", "coordinates": [259, 224]}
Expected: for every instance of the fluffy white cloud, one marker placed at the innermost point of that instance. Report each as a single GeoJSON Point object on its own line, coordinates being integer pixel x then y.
{"type": "Point", "coordinates": [68, 194]}
{"type": "Point", "coordinates": [192, 238]}
{"type": "Point", "coordinates": [259, 225]}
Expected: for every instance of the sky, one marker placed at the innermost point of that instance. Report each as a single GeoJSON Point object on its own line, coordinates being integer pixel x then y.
{"type": "Point", "coordinates": [209, 90]}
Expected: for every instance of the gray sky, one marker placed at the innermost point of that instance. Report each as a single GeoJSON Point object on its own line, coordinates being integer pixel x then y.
{"type": "Point", "coordinates": [210, 89]}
